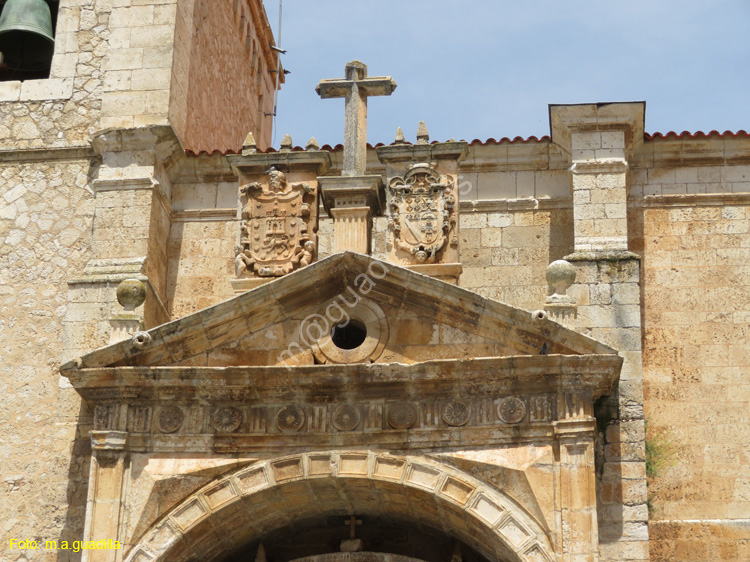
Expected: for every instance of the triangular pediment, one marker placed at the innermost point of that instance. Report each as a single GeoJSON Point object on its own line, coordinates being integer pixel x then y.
{"type": "Point", "coordinates": [407, 318]}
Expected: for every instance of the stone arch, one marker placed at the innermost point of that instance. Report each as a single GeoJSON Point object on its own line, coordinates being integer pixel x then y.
{"type": "Point", "coordinates": [241, 506]}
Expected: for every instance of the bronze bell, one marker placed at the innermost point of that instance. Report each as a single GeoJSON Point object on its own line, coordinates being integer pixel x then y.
{"type": "Point", "coordinates": [26, 40]}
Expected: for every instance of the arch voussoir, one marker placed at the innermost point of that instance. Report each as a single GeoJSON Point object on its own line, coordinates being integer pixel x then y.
{"type": "Point", "coordinates": [469, 509]}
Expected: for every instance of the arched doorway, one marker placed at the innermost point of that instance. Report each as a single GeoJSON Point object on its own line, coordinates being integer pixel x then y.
{"type": "Point", "coordinates": [280, 498]}
{"type": "Point", "coordinates": [359, 557]}
{"type": "Point", "coordinates": [321, 539]}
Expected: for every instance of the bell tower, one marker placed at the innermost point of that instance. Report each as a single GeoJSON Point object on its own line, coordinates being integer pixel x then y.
{"type": "Point", "coordinates": [112, 115]}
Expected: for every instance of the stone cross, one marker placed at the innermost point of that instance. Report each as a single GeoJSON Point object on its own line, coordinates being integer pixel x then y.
{"type": "Point", "coordinates": [356, 88]}
{"type": "Point", "coordinates": [352, 522]}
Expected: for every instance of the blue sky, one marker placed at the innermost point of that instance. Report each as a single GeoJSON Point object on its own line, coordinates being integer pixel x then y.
{"type": "Point", "coordinates": [489, 68]}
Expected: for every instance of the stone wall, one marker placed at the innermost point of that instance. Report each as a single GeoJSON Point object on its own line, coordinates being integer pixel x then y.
{"type": "Point", "coordinates": [201, 264]}
{"type": "Point", "coordinates": [223, 87]}
{"type": "Point", "coordinates": [696, 363]}
{"type": "Point", "coordinates": [46, 216]}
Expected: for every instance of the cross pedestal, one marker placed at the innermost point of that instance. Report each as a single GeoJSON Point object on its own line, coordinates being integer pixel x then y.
{"type": "Point", "coordinates": [352, 201]}
{"type": "Point", "coordinates": [353, 198]}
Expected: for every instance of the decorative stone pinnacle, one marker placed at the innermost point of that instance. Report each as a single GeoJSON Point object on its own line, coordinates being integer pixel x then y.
{"type": "Point", "coordinates": [423, 137]}
{"type": "Point", "coordinates": [131, 294]}
{"type": "Point", "coordinates": [249, 146]}
{"type": "Point", "coordinates": [312, 144]}
{"type": "Point", "coordinates": [286, 143]}
{"type": "Point", "coordinates": [560, 276]}
{"type": "Point", "coordinates": [399, 137]}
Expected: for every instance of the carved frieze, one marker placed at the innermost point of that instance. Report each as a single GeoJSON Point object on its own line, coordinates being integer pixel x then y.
{"type": "Point", "coordinates": [423, 215]}
{"type": "Point", "coordinates": [278, 227]}
{"type": "Point", "coordinates": [447, 412]}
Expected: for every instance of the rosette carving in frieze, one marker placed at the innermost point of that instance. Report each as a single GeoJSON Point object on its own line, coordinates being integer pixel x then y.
{"type": "Point", "coordinates": [290, 418]}
{"type": "Point", "coordinates": [225, 419]}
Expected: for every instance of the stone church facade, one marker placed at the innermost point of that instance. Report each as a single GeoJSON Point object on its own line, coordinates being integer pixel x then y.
{"type": "Point", "coordinates": [218, 350]}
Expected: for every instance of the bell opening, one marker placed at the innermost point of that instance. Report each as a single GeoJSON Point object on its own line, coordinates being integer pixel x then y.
{"type": "Point", "coordinates": [27, 29]}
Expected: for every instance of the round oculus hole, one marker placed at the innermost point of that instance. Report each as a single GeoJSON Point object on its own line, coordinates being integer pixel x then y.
{"type": "Point", "coordinates": [350, 335]}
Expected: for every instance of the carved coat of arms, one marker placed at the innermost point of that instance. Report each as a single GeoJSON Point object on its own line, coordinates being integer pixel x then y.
{"type": "Point", "coordinates": [276, 233]}
{"type": "Point", "coordinates": [422, 213]}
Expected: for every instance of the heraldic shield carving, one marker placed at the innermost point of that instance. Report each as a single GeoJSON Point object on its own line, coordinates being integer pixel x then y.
{"type": "Point", "coordinates": [423, 220]}
{"type": "Point", "coordinates": [279, 220]}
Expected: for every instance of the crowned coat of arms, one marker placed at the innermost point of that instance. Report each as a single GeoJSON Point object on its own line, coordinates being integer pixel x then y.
{"type": "Point", "coordinates": [422, 214]}
{"type": "Point", "coordinates": [276, 236]}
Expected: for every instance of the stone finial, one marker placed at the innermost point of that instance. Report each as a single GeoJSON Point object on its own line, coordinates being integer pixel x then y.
{"type": "Point", "coordinates": [131, 294]}
{"type": "Point", "coordinates": [249, 146]}
{"type": "Point", "coordinates": [423, 137]}
{"type": "Point", "coordinates": [399, 137]}
{"type": "Point", "coordinates": [286, 143]}
{"type": "Point", "coordinates": [560, 276]}
{"type": "Point", "coordinates": [312, 144]}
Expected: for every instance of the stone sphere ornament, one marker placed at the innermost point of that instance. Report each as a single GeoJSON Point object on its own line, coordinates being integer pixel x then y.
{"type": "Point", "coordinates": [131, 294]}
{"type": "Point", "coordinates": [560, 276]}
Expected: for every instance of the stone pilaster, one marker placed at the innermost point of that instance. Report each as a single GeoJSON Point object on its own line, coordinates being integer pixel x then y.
{"type": "Point", "coordinates": [132, 191]}
{"type": "Point", "coordinates": [109, 463]}
{"type": "Point", "coordinates": [577, 492]}
{"type": "Point", "coordinates": [608, 295]}
{"type": "Point", "coordinates": [601, 139]}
